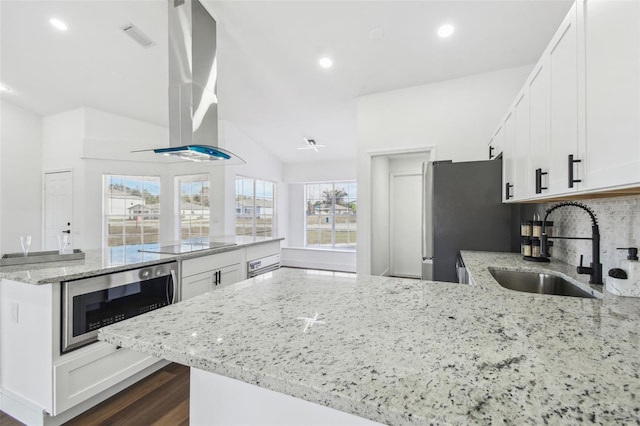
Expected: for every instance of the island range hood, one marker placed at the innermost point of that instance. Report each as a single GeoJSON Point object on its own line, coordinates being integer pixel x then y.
{"type": "Point", "coordinates": [193, 103]}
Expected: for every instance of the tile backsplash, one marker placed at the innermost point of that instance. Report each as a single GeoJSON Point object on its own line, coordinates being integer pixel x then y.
{"type": "Point", "coordinates": [619, 222]}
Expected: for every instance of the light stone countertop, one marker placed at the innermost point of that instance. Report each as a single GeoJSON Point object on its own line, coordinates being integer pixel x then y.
{"type": "Point", "coordinates": [403, 351]}
{"type": "Point", "coordinates": [98, 262]}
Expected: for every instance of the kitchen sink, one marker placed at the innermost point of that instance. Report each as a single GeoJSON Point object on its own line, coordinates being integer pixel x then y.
{"type": "Point", "coordinates": [535, 282]}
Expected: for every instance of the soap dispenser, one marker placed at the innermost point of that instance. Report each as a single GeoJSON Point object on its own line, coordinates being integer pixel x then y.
{"type": "Point", "coordinates": [630, 285]}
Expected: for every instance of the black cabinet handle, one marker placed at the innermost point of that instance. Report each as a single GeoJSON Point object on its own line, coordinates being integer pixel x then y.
{"type": "Point", "coordinates": [491, 152]}
{"type": "Point", "coordinates": [539, 187]}
{"type": "Point", "coordinates": [571, 179]}
{"type": "Point", "coordinates": [507, 190]}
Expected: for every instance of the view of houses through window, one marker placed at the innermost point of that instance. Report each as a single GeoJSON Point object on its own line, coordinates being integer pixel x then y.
{"type": "Point", "coordinates": [194, 208]}
{"type": "Point", "coordinates": [255, 207]}
{"type": "Point", "coordinates": [331, 215]}
{"type": "Point", "coordinates": [131, 210]}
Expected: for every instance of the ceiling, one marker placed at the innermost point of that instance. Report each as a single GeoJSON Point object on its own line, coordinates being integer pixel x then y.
{"type": "Point", "coordinates": [270, 85]}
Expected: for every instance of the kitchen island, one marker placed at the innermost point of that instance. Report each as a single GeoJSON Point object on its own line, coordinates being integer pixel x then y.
{"type": "Point", "coordinates": [400, 351]}
{"type": "Point", "coordinates": [47, 380]}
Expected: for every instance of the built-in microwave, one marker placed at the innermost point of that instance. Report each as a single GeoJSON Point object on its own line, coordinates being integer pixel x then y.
{"type": "Point", "coordinates": [91, 303]}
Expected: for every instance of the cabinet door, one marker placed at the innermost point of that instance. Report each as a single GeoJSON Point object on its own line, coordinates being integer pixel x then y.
{"type": "Point", "coordinates": [538, 87]}
{"type": "Point", "coordinates": [198, 284]}
{"type": "Point", "coordinates": [521, 169]}
{"type": "Point", "coordinates": [228, 275]}
{"type": "Point", "coordinates": [508, 157]}
{"type": "Point", "coordinates": [611, 153]}
{"type": "Point", "coordinates": [81, 377]}
{"type": "Point", "coordinates": [563, 106]}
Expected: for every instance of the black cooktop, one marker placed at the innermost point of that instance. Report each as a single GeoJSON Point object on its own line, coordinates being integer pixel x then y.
{"type": "Point", "coordinates": [186, 247]}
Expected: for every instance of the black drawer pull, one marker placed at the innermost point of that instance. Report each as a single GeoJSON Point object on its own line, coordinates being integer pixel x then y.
{"type": "Point", "coordinates": [571, 179]}
{"type": "Point", "coordinates": [539, 187]}
{"type": "Point", "coordinates": [507, 191]}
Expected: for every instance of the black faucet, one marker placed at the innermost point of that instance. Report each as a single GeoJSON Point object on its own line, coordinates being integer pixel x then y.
{"type": "Point", "coordinates": [595, 269]}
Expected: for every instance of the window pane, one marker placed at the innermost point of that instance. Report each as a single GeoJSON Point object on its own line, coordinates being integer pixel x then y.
{"type": "Point", "coordinates": [330, 209]}
{"type": "Point", "coordinates": [194, 208]}
{"type": "Point", "coordinates": [255, 208]}
{"type": "Point", "coordinates": [132, 210]}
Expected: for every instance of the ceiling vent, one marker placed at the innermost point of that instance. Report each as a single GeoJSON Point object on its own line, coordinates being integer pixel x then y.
{"type": "Point", "coordinates": [135, 33]}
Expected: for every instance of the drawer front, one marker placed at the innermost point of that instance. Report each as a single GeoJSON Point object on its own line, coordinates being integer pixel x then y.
{"type": "Point", "coordinates": [263, 250]}
{"type": "Point", "coordinates": [83, 377]}
{"type": "Point", "coordinates": [210, 263]}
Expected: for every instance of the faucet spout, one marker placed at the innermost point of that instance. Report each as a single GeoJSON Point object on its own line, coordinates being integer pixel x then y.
{"type": "Point", "coordinates": [595, 269]}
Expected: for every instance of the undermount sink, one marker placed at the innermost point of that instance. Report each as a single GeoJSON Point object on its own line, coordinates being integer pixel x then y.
{"type": "Point", "coordinates": [535, 282]}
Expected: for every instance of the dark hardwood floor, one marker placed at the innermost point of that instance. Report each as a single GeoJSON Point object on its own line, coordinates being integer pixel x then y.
{"type": "Point", "coordinates": [160, 399]}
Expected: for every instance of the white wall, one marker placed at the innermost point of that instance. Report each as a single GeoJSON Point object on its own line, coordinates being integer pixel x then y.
{"type": "Point", "coordinates": [296, 175]}
{"type": "Point", "coordinates": [21, 177]}
{"type": "Point", "coordinates": [457, 117]}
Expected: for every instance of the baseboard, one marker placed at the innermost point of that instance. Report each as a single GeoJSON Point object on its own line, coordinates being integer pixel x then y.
{"type": "Point", "coordinates": [319, 265]}
{"type": "Point", "coordinates": [31, 414]}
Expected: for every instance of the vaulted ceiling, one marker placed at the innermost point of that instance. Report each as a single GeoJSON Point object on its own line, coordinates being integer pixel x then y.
{"type": "Point", "coordinates": [270, 85]}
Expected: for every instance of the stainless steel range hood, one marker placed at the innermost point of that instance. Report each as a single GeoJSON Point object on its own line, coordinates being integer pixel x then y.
{"type": "Point", "coordinates": [193, 74]}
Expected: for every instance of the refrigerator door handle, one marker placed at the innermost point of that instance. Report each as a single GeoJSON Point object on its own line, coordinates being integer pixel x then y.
{"type": "Point", "coordinates": [427, 210]}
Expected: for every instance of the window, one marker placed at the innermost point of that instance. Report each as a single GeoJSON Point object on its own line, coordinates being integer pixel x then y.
{"type": "Point", "coordinates": [193, 208]}
{"type": "Point", "coordinates": [131, 210]}
{"type": "Point", "coordinates": [331, 215]}
{"type": "Point", "coordinates": [255, 207]}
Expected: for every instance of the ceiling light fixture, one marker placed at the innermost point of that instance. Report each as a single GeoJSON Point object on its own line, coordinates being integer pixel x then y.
{"type": "Point", "coordinates": [445, 30]}
{"type": "Point", "coordinates": [311, 144]}
{"type": "Point", "coordinates": [58, 24]}
{"type": "Point", "coordinates": [4, 88]}
{"type": "Point", "coordinates": [325, 62]}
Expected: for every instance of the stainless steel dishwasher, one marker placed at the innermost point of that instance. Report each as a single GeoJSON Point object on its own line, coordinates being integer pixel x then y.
{"type": "Point", "coordinates": [265, 264]}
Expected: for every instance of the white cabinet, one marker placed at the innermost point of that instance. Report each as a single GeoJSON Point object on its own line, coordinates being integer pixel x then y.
{"type": "Point", "coordinates": [508, 157]}
{"type": "Point", "coordinates": [562, 66]}
{"type": "Point", "coordinates": [203, 274]}
{"type": "Point", "coordinates": [522, 188]}
{"type": "Point", "coordinates": [101, 367]}
{"type": "Point", "coordinates": [538, 88]}
{"type": "Point", "coordinates": [610, 34]}
{"type": "Point", "coordinates": [577, 119]}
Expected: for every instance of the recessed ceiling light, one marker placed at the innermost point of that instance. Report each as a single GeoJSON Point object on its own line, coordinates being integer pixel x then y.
{"type": "Point", "coordinates": [445, 30]}
{"type": "Point", "coordinates": [325, 62]}
{"type": "Point", "coordinates": [58, 24]}
{"type": "Point", "coordinates": [4, 88]}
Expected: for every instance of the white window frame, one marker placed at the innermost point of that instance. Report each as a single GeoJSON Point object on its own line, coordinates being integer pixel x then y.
{"type": "Point", "coordinates": [178, 203]}
{"type": "Point", "coordinates": [106, 215]}
{"type": "Point", "coordinates": [332, 215]}
{"type": "Point", "coordinates": [274, 221]}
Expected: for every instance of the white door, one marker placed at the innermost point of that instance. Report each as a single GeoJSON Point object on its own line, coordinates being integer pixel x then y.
{"type": "Point", "coordinates": [406, 223]}
{"type": "Point", "coordinates": [57, 208]}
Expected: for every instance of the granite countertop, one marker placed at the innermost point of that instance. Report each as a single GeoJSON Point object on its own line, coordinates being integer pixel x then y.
{"type": "Point", "coordinates": [98, 262]}
{"type": "Point", "coordinates": [403, 351]}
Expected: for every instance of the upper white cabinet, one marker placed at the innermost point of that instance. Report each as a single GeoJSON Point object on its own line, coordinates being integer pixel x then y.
{"type": "Point", "coordinates": [562, 63]}
{"type": "Point", "coordinates": [577, 119]}
{"type": "Point", "coordinates": [508, 163]}
{"type": "Point", "coordinates": [522, 187]}
{"type": "Point", "coordinates": [610, 36]}
{"type": "Point", "coordinates": [538, 88]}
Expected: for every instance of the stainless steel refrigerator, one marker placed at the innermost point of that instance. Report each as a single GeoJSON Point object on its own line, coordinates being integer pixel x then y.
{"type": "Point", "coordinates": [461, 210]}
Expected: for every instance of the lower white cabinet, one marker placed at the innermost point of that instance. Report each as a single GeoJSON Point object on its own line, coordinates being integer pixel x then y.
{"type": "Point", "coordinates": [81, 377]}
{"type": "Point", "coordinates": [206, 273]}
